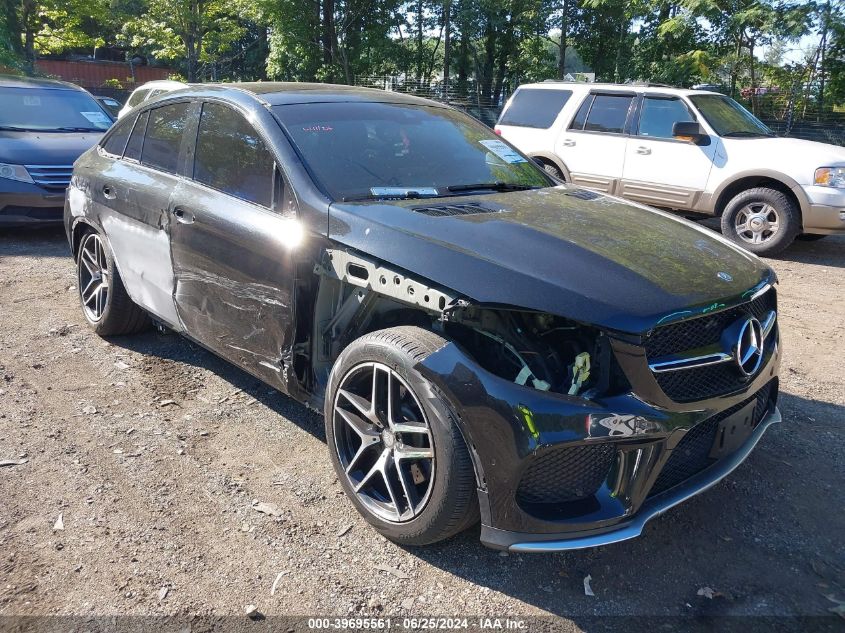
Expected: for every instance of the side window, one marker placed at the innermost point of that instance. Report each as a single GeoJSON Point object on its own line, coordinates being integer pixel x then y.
{"type": "Point", "coordinates": [231, 157]}
{"type": "Point", "coordinates": [609, 113]}
{"type": "Point", "coordinates": [164, 136]}
{"type": "Point", "coordinates": [116, 142]}
{"type": "Point", "coordinates": [659, 115]}
{"type": "Point", "coordinates": [581, 115]}
{"type": "Point", "coordinates": [535, 107]}
{"type": "Point", "coordinates": [137, 97]}
{"type": "Point", "coordinates": [136, 139]}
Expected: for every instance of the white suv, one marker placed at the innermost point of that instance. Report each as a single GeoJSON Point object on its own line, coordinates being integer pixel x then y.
{"type": "Point", "coordinates": [687, 150]}
{"type": "Point", "coordinates": [149, 90]}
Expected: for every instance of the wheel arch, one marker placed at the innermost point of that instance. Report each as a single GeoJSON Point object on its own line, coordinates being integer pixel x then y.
{"type": "Point", "coordinates": [555, 161]}
{"type": "Point", "coordinates": [760, 178]}
{"type": "Point", "coordinates": [80, 227]}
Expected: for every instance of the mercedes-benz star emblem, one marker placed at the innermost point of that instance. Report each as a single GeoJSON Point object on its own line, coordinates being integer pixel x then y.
{"type": "Point", "coordinates": [749, 347]}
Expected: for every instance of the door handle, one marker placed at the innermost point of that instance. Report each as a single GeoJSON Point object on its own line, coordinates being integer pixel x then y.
{"type": "Point", "coordinates": [568, 142]}
{"type": "Point", "coordinates": [185, 217]}
{"type": "Point", "coordinates": [108, 192]}
{"type": "Point", "coordinates": [645, 151]}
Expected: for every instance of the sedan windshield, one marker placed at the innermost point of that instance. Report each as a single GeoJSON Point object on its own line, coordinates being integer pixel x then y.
{"type": "Point", "coordinates": [729, 118]}
{"type": "Point", "coordinates": [50, 110]}
{"type": "Point", "coordinates": [359, 151]}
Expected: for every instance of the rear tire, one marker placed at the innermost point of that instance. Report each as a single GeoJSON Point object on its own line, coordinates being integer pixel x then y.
{"type": "Point", "coordinates": [381, 459]}
{"type": "Point", "coordinates": [105, 303]}
{"type": "Point", "coordinates": [553, 171]}
{"type": "Point", "coordinates": [765, 221]}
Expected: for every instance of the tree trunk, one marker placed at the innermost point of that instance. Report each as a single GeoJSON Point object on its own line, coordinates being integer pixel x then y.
{"type": "Point", "coordinates": [419, 40]}
{"type": "Point", "coordinates": [564, 29]}
{"type": "Point", "coordinates": [447, 46]}
{"type": "Point", "coordinates": [754, 108]}
{"type": "Point", "coordinates": [28, 17]}
{"type": "Point", "coordinates": [328, 38]}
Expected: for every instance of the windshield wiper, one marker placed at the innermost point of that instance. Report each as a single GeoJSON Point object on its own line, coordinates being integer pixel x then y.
{"type": "Point", "coordinates": [491, 186]}
{"type": "Point", "coordinates": [15, 128]}
{"type": "Point", "coordinates": [406, 195]}
{"type": "Point", "coordinates": [71, 128]}
{"type": "Point", "coordinates": [746, 133]}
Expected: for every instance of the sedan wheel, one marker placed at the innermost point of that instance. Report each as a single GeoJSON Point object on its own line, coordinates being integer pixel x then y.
{"type": "Point", "coordinates": [383, 442]}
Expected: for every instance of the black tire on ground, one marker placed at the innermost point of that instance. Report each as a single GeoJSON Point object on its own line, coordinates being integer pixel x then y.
{"type": "Point", "coordinates": [121, 315]}
{"type": "Point", "coordinates": [756, 200]}
{"type": "Point", "coordinates": [452, 504]}
{"type": "Point", "coordinates": [553, 171]}
{"type": "Point", "coordinates": [811, 237]}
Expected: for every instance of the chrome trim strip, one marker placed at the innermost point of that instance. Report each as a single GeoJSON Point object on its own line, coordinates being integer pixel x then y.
{"type": "Point", "coordinates": [689, 363]}
{"type": "Point", "coordinates": [768, 323]}
{"type": "Point", "coordinates": [759, 293]}
{"type": "Point", "coordinates": [660, 504]}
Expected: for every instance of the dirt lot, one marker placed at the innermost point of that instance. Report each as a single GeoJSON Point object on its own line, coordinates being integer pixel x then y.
{"type": "Point", "coordinates": [153, 452]}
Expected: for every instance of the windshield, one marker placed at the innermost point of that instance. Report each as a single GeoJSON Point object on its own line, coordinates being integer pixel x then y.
{"type": "Point", "coordinates": [729, 118]}
{"type": "Point", "coordinates": [49, 110]}
{"type": "Point", "coordinates": [385, 150]}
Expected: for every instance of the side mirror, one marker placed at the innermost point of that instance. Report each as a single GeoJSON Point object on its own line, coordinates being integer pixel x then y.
{"type": "Point", "coordinates": [688, 131]}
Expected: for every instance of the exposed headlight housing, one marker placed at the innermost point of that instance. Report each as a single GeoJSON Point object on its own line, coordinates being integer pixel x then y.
{"type": "Point", "coordinates": [830, 177]}
{"type": "Point", "coordinates": [14, 172]}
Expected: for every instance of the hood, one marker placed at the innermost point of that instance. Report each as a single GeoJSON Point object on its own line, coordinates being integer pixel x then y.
{"type": "Point", "coordinates": [563, 250]}
{"type": "Point", "coordinates": [793, 156]}
{"type": "Point", "coordinates": [45, 148]}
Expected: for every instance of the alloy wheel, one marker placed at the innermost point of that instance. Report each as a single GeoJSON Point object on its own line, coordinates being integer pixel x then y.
{"type": "Point", "coordinates": [93, 270]}
{"type": "Point", "coordinates": [757, 222]}
{"type": "Point", "coordinates": [384, 442]}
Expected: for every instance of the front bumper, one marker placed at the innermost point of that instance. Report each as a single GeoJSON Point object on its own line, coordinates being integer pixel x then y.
{"type": "Point", "coordinates": [825, 213]}
{"type": "Point", "coordinates": [25, 204]}
{"type": "Point", "coordinates": [694, 485]}
{"type": "Point", "coordinates": [508, 428]}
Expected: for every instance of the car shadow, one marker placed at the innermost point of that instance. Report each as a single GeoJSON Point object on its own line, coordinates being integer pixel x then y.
{"type": "Point", "coordinates": [173, 347]}
{"type": "Point", "coordinates": [46, 241]}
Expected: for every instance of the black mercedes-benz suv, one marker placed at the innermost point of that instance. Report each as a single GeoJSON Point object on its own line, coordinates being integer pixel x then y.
{"type": "Point", "coordinates": [485, 342]}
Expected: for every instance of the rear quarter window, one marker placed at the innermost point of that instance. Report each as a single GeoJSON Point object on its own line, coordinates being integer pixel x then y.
{"type": "Point", "coordinates": [137, 97]}
{"type": "Point", "coordinates": [119, 135]}
{"type": "Point", "coordinates": [535, 107]}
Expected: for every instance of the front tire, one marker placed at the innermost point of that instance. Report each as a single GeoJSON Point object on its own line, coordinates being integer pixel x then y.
{"type": "Point", "coordinates": [105, 303]}
{"type": "Point", "coordinates": [394, 440]}
{"type": "Point", "coordinates": [765, 221]}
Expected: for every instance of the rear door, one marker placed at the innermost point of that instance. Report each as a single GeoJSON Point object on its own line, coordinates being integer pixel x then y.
{"type": "Point", "coordinates": [593, 145]}
{"type": "Point", "coordinates": [137, 191]}
{"type": "Point", "coordinates": [659, 169]}
{"type": "Point", "coordinates": [233, 233]}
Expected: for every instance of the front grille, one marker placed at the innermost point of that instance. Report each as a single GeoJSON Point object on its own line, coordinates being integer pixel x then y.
{"type": "Point", "coordinates": [55, 177]}
{"type": "Point", "coordinates": [708, 381]}
{"type": "Point", "coordinates": [567, 473]}
{"type": "Point", "coordinates": [442, 210]}
{"type": "Point", "coordinates": [692, 454]}
{"type": "Point", "coordinates": [705, 330]}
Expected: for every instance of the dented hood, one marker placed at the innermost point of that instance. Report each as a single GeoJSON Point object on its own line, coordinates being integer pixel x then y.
{"type": "Point", "coordinates": [563, 250]}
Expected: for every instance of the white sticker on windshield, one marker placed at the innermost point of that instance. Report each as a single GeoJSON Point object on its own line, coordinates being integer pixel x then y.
{"type": "Point", "coordinates": [96, 117]}
{"type": "Point", "coordinates": [31, 100]}
{"type": "Point", "coordinates": [503, 151]}
{"type": "Point", "coordinates": [403, 191]}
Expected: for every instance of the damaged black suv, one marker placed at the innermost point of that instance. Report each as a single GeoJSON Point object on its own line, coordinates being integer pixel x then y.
{"type": "Point", "coordinates": [485, 342]}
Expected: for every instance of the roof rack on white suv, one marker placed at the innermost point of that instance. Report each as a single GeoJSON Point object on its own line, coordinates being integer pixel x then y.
{"type": "Point", "coordinates": [689, 150]}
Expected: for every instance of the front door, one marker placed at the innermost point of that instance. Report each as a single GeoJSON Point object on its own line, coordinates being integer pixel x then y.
{"type": "Point", "coordinates": [233, 234]}
{"type": "Point", "coordinates": [593, 145]}
{"type": "Point", "coordinates": [659, 169]}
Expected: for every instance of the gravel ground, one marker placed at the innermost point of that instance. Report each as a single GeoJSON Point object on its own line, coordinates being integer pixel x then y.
{"type": "Point", "coordinates": [153, 452]}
